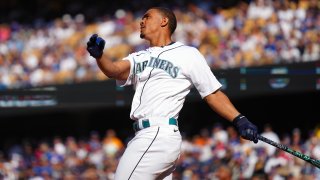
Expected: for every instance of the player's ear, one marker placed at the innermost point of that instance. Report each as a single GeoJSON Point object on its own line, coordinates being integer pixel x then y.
{"type": "Point", "coordinates": [164, 21]}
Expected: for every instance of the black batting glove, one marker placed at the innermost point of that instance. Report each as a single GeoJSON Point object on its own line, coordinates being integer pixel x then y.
{"type": "Point", "coordinates": [245, 128]}
{"type": "Point", "coordinates": [95, 46]}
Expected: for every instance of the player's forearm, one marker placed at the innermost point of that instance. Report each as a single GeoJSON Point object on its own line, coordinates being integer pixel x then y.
{"type": "Point", "coordinates": [112, 69]}
{"type": "Point", "coordinates": [107, 67]}
{"type": "Point", "coordinates": [221, 104]}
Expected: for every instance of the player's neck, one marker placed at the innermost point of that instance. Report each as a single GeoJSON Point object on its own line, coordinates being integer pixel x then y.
{"type": "Point", "coordinates": [160, 42]}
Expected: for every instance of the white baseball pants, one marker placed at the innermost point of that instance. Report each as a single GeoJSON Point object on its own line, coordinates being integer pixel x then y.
{"type": "Point", "coordinates": [151, 154]}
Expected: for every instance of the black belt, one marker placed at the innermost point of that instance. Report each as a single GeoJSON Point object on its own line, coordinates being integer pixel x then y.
{"type": "Point", "coordinates": [146, 123]}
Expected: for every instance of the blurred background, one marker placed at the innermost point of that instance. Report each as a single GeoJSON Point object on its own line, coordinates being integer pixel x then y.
{"type": "Point", "coordinates": [61, 118]}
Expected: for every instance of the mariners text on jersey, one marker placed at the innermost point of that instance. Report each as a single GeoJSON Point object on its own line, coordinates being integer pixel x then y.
{"type": "Point", "coordinates": [159, 64]}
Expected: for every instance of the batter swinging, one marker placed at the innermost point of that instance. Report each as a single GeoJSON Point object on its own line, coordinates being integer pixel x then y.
{"type": "Point", "coordinates": [162, 75]}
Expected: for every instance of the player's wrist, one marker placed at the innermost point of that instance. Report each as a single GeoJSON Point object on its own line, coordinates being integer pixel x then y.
{"type": "Point", "coordinates": [238, 118]}
{"type": "Point", "coordinates": [99, 57]}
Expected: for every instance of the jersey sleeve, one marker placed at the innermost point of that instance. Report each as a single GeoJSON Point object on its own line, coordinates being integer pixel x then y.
{"type": "Point", "coordinates": [130, 78]}
{"type": "Point", "coordinates": [201, 75]}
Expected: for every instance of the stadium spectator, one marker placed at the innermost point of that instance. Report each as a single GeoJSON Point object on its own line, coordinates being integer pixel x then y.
{"type": "Point", "coordinates": [111, 143]}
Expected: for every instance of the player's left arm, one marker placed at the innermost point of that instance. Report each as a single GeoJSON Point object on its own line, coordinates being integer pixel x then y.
{"type": "Point", "coordinates": [222, 105]}
{"type": "Point", "coordinates": [209, 88]}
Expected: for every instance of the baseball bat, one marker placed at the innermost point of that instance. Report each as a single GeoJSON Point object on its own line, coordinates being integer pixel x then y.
{"type": "Point", "coordinates": [291, 151]}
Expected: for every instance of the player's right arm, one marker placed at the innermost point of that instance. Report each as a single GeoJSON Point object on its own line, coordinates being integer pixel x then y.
{"type": "Point", "coordinates": [118, 70]}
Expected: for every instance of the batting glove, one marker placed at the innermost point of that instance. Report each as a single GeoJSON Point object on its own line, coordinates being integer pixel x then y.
{"type": "Point", "coordinates": [245, 128]}
{"type": "Point", "coordinates": [95, 46]}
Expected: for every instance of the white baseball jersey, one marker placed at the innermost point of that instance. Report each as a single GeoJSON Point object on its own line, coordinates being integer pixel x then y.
{"type": "Point", "coordinates": [163, 76]}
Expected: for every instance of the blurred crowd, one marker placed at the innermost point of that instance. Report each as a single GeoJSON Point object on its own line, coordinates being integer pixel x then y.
{"type": "Point", "coordinates": [250, 34]}
{"type": "Point", "coordinates": [215, 153]}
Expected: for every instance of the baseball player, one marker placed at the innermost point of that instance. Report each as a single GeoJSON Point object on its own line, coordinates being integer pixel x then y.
{"type": "Point", "coordinates": [162, 76]}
